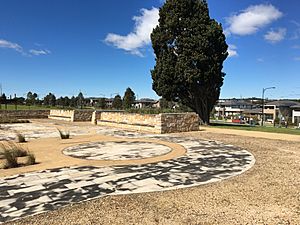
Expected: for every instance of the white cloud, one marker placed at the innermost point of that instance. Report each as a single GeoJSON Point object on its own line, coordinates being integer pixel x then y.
{"type": "Point", "coordinates": [39, 52]}
{"type": "Point", "coordinates": [140, 36]}
{"type": "Point", "coordinates": [232, 51]}
{"type": "Point", "coordinates": [11, 45]}
{"type": "Point", "coordinates": [297, 58]}
{"type": "Point", "coordinates": [275, 36]}
{"type": "Point", "coordinates": [18, 48]}
{"type": "Point", "coordinates": [261, 60]}
{"type": "Point", "coordinates": [250, 20]}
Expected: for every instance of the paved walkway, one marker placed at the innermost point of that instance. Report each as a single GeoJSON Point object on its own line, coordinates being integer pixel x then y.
{"type": "Point", "coordinates": [205, 161]}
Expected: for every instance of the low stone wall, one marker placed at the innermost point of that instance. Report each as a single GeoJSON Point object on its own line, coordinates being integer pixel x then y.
{"type": "Point", "coordinates": [155, 123]}
{"type": "Point", "coordinates": [179, 122]}
{"type": "Point", "coordinates": [71, 115]}
{"type": "Point", "coordinates": [25, 114]}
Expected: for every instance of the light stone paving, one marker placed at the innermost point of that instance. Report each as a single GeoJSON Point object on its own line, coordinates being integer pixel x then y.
{"type": "Point", "coordinates": [205, 162]}
{"type": "Point", "coordinates": [120, 150]}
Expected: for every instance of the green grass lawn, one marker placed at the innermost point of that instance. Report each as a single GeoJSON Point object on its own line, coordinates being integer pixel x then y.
{"type": "Point", "coordinates": [281, 130]}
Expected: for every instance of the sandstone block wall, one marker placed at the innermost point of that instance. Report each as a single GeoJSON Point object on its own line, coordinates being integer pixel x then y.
{"type": "Point", "coordinates": [71, 115]}
{"type": "Point", "coordinates": [25, 114]}
{"type": "Point", "coordinates": [179, 122]}
{"type": "Point", "coordinates": [155, 123]}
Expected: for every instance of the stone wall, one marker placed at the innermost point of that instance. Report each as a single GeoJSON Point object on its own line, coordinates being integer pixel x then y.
{"type": "Point", "coordinates": [83, 115]}
{"type": "Point", "coordinates": [25, 114]}
{"type": "Point", "coordinates": [71, 115]}
{"type": "Point", "coordinates": [179, 122]}
{"type": "Point", "coordinates": [155, 123]}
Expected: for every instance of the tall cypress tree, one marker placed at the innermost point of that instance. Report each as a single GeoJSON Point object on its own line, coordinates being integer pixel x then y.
{"type": "Point", "coordinates": [190, 49]}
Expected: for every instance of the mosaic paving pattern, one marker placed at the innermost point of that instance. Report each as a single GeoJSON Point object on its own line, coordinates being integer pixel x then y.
{"type": "Point", "coordinates": [119, 150]}
{"type": "Point", "coordinates": [205, 161]}
{"type": "Point", "coordinates": [34, 131]}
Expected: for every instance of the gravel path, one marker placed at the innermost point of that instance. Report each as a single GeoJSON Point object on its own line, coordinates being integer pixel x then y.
{"type": "Point", "coordinates": [269, 193]}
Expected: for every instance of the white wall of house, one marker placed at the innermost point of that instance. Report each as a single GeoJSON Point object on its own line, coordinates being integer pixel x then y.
{"type": "Point", "coordinates": [296, 113]}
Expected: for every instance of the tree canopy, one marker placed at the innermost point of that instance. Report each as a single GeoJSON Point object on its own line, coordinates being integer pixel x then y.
{"type": "Point", "coordinates": [190, 49]}
{"type": "Point", "coordinates": [129, 98]}
{"type": "Point", "coordinates": [117, 102]}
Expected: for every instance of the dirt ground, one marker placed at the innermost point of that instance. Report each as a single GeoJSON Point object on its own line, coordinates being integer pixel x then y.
{"type": "Point", "coordinates": [269, 193]}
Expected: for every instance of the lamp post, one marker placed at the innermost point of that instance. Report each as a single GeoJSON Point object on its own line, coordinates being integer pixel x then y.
{"type": "Point", "coordinates": [263, 104]}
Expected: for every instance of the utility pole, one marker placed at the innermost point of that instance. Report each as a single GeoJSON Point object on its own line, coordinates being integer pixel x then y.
{"type": "Point", "coordinates": [263, 104]}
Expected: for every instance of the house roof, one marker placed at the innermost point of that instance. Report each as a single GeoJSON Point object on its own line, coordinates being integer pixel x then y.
{"type": "Point", "coordinates": [282, 103]}
{"type": "Point", "coordinates": [296, 106]}
{"type": "Point", "coordinates": [234, 102]}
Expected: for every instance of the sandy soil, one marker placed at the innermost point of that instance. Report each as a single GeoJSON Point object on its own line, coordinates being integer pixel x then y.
{"type": "Point", "coordinates": [269, 193]}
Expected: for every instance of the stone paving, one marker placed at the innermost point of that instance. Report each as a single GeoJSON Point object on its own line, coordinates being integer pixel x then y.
{"type": "Point", "coordinates": [120, 150]}
{"type": "Point", "coordinates": [205, 161]}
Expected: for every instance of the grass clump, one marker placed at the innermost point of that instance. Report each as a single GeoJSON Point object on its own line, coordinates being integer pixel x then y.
{"type": "Point", "coordinates": [20, 138]}
{"type": "Point", "coordinates": [10, 152]}
{"type": "Point", "coordinates": [64, 134]}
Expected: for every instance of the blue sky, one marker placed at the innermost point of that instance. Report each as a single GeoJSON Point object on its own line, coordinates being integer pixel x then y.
{"type": "Point", "coordinates": [102, 47]}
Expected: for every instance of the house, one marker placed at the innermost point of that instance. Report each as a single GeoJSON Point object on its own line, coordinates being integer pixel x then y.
{"type": "Point", "coordinates": [296, 114]}
{"type": "Point", "coordinates": [232, 107]}
{"type": "Point", "coordinates": [146, 103]}
{"type": "Point", "coordinates": [281, 109]}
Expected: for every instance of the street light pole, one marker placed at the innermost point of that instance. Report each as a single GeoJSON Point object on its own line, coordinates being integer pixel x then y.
{"type": "Point", "coordinates": [263, 104]}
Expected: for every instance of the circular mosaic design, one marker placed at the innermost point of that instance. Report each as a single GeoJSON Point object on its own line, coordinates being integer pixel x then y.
{"type": "Point", "coordinates": [121, 150]}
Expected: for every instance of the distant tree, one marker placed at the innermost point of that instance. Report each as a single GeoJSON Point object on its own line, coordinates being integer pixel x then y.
{"type": "Point", "coordinates": [3, 100]}
{"type": "Point", "coordinates": [117, 102]}
{"type": "Point", "coordinates": [31, 98]}
{"type": "Point", "coordinates": [129, 98]}
{"type": "Point", "coordinates": [102, 103]}
{"type": "Point", "coordinates": [73, 102]}
{"type": "Point", "coordinates": [80, 100]}
{"type": "Point", "coordinates": [190, 49]}
{"type": "Point", "coordinates": [50, 100]}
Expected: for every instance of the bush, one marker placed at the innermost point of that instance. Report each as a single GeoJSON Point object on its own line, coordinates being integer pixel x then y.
{"type": "Point", "coordinates": [20, 138]}
{"type": "Point", "coordinates": [64, 135]}
{"type": "Point", "coordinates": [10, 153]}
{"type": "Point", "coordinates": [30, 159]}
{"type": "Point", "coordinates": [10, 159]}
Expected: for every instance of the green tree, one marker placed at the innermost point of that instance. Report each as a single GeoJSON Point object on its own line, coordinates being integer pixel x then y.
{"type": "Point", "coordinates": [190, 49]}
{"type": "Point", "coordinates": [3, 100]}
{"type": "Point", "coordinates": [117, 102]}
{"type": "Point", "coordinates": [50, 100]}
{"type": "Point", "coordinates": [80, 100]}
{"type": "Point", "coordinates": [129, 98]}
{"type": "Point", "coordinates": [102, 103]}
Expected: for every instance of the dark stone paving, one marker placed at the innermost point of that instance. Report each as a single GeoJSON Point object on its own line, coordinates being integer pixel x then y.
{"type": "Point", "coordinates": [36, 192]}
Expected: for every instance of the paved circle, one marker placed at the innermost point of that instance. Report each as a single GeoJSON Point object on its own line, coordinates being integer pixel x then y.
{"type": "Point", "coordinates": [119, 150]}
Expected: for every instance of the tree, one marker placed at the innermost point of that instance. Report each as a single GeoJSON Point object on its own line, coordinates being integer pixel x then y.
{"type": "Point", "coordinates": [3, 100]}
{"type": "Point", "coordinates": [80, 100]}
{"type": "Point", "coordinates": [31, 98]}
{"type": "Point", "coordinates": [102, 103]}
{"type": "Point", "coordinates": [117, 102]}
{"type": "Point", "coordinates": [129, 98]}
{"type": "Point", "coordinates": [50, 100]}
{"type": "Point", "coordinates": [190, 49]}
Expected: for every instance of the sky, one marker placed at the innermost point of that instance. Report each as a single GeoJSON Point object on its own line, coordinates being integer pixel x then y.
{"type": "Point", "coordinates": [102, 47]}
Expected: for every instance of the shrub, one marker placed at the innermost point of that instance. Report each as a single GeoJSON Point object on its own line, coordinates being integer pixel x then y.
{"type": "Point", "coordinates": [64, 135]}
{"type": "Point", "coordinates": [10, 159]}
{"type": "Point", "coordinates": [20, 138]}
{"type": "Point", "coordinates": [10, 153]}
{"type": "Point", "coordinates": [30, 159]}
